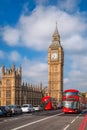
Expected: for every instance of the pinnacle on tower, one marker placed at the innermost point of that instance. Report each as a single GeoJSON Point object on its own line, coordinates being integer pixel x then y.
{"type": "Point", "coordinates": [56, 31]}
{"type": "Point", "coordinates": [3, 69]}
{"type": "Point", "coordinates": [56, 36]}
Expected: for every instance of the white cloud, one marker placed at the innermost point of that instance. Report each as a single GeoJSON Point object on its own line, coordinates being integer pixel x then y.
{"type": "Point", "coordinates": [35, 30]}
{"type": "Point", "coordinates": [14, 56]}
{"type": "Point", "coordinates": [66, 80]}
{"type": "Point", "coordinates": [77, 80]}
{"type": "Point", "coordinates": [41, 1]}
{"type": "Point", "coordinates": [34, 71]}
{"type": "Point", "coordinates": [11, 35]}
{"type": "Point", "coordinates": [68, 5]}
{"type": "Point", "coordinates": [75, 43]}
{"type": "Point", "coordinates": [76, 77]}
{"type": "Point", "coordinates": [79, 62]}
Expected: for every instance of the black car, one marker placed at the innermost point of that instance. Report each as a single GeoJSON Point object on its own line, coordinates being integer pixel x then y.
{"type": "Point", "coordinates": [5, 111]}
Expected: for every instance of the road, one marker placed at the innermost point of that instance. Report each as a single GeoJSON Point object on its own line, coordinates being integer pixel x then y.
{"type": "Point", "coordinates": [45, 120]}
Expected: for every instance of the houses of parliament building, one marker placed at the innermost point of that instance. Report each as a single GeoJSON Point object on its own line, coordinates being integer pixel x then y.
{"type": "Point", "coordinates": [13, 91]}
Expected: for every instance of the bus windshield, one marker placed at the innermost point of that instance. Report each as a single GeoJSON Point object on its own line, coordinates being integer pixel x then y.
{"type": "Point", "coordinates": [72, 105]}
{"type": "Point", "coordinates": [70, 93]}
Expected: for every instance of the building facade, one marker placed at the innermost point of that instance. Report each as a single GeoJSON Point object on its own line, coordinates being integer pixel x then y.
{"type": "Point", "coordinates": [13, 91]}
{"type": "Point", "coordinates": [55, 67]}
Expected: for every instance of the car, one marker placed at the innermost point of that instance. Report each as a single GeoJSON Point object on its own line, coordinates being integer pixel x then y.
{"type": "Point", "coordinates": [37, 108]}
{"type": "Point", "coordinates": [27, 108]}
{"type": "Point", "coordinates": [16, 109]}
{"type": "Point", "coordinates": [5, 111]}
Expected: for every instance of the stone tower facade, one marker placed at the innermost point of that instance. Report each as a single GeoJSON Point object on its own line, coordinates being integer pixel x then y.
{"type": "Point", "coordinates": [55, 67]}
{"type": "Point", "coordinates": [11, 85]}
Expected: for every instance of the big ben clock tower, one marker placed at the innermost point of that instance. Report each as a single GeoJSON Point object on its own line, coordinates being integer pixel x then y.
{"type": "Point", "coordinates": [55, 67]}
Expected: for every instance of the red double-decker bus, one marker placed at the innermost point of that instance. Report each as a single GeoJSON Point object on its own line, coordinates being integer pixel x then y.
{"type": "Point", "coordinates": [73, 101]}
{"type": "Point", "coordinates": [48, 103]}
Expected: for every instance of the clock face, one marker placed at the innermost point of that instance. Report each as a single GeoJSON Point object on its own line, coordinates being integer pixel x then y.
{"type": "Point", "coordinates": [54, 56]}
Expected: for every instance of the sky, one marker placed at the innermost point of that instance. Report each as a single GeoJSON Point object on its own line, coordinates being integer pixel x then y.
{"type": "Point", "coordinates": [26, 29]}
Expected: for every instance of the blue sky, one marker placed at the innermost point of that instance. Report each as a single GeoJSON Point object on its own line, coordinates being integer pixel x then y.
{"type": "Point", "coordinates": [26, 29]}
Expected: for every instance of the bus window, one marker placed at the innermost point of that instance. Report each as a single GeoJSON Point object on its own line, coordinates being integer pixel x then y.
{"type": "Point", "coordinates": [70, 93]}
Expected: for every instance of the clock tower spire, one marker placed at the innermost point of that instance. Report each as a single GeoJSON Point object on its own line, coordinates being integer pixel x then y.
{"type": "Point", "coordinates": [55, 67]}
{"type": "Point", "coordinates": [56, 36]}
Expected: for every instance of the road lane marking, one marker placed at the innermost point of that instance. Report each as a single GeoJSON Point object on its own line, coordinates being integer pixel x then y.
{"type": "Point", "coordinates": [17, 128]}
{"type": "Point", "coordinates": [71, 122]}
{"type": "Point", "coordinates": [66, 127]}
{"type": "Point", "coordinates": [74, 119]}
{"type": "Point", "coordinates": [78, 116]}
